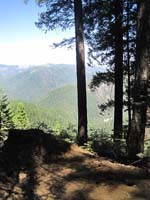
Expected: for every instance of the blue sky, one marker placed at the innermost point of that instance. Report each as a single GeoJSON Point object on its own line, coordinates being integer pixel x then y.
{"type": "Point", "coordinates": [21, 42]}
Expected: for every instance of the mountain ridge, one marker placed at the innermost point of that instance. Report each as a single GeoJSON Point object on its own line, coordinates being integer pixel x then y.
{"type": "Point", "coordinates": [32, 83]}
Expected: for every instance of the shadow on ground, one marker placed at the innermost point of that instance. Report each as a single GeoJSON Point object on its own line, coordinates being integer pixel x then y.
{"type": "Point", "coordinates": [37, 166]}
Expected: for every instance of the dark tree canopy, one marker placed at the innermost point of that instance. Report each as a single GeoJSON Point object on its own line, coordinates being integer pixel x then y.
{"type": "Point", "coordinates": [141, 95]}
{"type": "Point", "coordinates": [118, 40]}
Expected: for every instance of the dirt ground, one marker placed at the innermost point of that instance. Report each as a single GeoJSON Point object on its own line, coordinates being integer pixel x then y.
{"type": "Point", "coordinates": [36, 166]}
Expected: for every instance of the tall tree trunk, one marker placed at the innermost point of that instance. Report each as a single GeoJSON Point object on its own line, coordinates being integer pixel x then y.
{"type": "Point", "coordinates": [118, 112]}
{"type": "Point", "coordinates": [128, 65]}
{"type": "Point", "coordinates": [137, 133]}
{"type": "Point", "coordinates": [81, 80]}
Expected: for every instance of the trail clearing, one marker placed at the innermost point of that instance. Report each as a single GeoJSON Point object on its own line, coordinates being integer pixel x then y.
{"type": "Point", "coordinates": [37, 166]}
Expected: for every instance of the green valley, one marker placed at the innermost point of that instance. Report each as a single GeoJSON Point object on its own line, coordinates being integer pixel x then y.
{"type": "Point", "coordinates": [49, 95]}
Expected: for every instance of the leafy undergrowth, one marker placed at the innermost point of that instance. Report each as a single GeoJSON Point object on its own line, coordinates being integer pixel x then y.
{"type": "Point", "coordinates": [37, 166]}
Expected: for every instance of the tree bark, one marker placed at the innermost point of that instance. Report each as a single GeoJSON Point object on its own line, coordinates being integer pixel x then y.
{"type": "Point", "coordinates": [128, 65]}
{"type": "Point", "coordinates": [118, 112]}
{"type": "Point", "coordinates": [81, 79]}
{"type": "Point", "coordinates": [137, 133]}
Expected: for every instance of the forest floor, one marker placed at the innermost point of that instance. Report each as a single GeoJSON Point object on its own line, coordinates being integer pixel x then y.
{"type": "Point", "coordinates": [37, 166]}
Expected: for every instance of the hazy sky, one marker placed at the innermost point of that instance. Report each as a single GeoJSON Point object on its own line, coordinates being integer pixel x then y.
{"type": "Point", "coordinates": [21, 42]}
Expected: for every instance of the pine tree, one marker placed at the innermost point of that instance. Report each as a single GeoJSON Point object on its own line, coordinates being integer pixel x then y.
{"type": "Point", "coordinates": [81, 80]}
{"type": "Point", "coordinates": [141, 95]}
{"type": "Point", "coordinates": [5, 112]}
{"type": "Point", "coordinates": [118, 108]}
{"type": "Point", "coordinates": [66, 14]}
{"type": "Point", "coordinates": [20, 118]}
{"type": "Point", "coordinates": [111, 30]}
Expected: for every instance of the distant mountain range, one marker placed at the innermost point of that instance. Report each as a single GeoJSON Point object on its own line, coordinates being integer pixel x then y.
{"type": "Point", "coordinates": [50, 93]}
{"type": "Point", "coordinates": [33, 83]}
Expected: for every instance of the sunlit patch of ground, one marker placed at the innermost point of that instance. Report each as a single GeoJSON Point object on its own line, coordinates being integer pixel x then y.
{"type": "Point", "coordinates": [71, 174]}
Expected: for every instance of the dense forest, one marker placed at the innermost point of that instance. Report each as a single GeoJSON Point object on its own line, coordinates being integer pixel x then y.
{"type": "Point", "coordinates": [66, 118]}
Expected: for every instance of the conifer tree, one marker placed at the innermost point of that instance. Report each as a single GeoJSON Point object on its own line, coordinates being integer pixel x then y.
{"type": "Point", "coordinates": [111, 30]}
{"type": "Point", "coordinates": [20, 118]}
{"type": "Point", "coordinates": [142, 86]}
{"type": "Point", "coordinates": [65, 14]}
{"type": "Point", "coordinates": [5, 112]}
{"type": "Point", "coordinates": [118, 108]}
{"type": "Point", "coordinates": [81, 80]}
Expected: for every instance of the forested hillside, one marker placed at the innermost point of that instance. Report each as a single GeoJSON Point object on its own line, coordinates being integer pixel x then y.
{"type": "Point", "coordinates": [34, 82]}
{"type": "Point", "coordinates": [49, 95]}
{"type": "Point", "coordinates": [63, 101]}
{"type": "Point", "coordinates": [60, 107]}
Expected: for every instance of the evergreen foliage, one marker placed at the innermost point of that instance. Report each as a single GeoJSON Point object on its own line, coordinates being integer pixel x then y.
{"type": "Point", "coordinates": [110, 34]}
{"type": "Point", "coordinates": [142, 87]}
{"type": "Point", "coordinates": [5, 112]}
{"type": "Point", "coordinates": [20, 118]}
